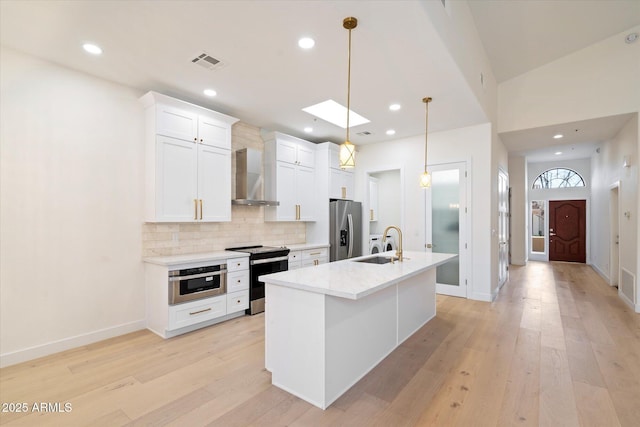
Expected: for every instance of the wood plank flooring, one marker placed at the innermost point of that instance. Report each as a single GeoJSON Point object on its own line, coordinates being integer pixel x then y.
{"type": "Point", "coordinates": [557, 348]}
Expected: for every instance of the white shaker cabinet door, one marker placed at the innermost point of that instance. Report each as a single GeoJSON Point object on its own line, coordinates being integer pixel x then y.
{"type": "Point", "coordinates": [305, 190]}
{"type": "Point", "coordinates": [176, 123]}
{"type": "Point", "coordinates": [214, 183]}
{"type": "Point", "coordinates": [286, 191]}
{"type": "Point", "coordinates": [214, 132]}
{"type": "Point", "coordinates": [176, 180]}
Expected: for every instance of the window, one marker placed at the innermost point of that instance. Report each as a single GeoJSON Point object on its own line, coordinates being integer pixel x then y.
{"type": "Point", "coordinates": [558, 178]}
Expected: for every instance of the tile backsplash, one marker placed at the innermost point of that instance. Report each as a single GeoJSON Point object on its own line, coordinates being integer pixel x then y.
{"type": "Point", "coordinates": [247, 226]}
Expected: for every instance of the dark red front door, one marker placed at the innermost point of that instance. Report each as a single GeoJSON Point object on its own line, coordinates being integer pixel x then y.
{"type": "Point", "coordinates": [567, 230]}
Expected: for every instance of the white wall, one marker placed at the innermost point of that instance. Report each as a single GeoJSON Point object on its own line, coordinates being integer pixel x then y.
{"type": "Point", "coordinates": [598, 81]}
{"type": "Point", "coordinates": [472, 145]}
{"type": "Point", "coordinates": [607, 169]}
{"type": "Point", "coordinates": [519, 217]}
{"type": "Point", "coordinates": [457, 29]}
{"type": "Point", "coordinates": [71, 205]}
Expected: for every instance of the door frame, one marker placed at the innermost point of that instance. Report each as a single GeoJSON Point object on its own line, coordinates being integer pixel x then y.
{"type": "Point", "coordinates": [465, 238]}
{"type": "Point", "coordinates": [614, 234]}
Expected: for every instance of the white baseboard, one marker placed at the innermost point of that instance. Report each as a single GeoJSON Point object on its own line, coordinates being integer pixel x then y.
{"type": "Point", "coordinates": [602, 274]}
{"type": "Point", "coordinates": [634, 307]}
{"type": "Point", "coordinates": [482, 296]}
{"type": "Point", "coordinates": [35, 352]}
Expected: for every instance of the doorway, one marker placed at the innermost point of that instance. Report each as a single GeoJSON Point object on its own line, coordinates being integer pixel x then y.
{"type": "Point", "coordinates": [503, 227]}
{"type": "Point", "coordinates": [446, 225]}
{"type": "Point", "coordinates": [568, 230]}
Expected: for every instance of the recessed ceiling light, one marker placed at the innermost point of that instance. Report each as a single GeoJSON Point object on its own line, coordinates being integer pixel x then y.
{"type": "Point", "coordinates": [210, 92]}
{"type": "Point", "coordinates": [391, 132]}
{"type": "Point", "coordinates": [631, 37]}
{"type": "Point", "coordinates": [92, 48]}
{"type": "Point", "coordinates": [557, 153]}
{"type": "Point", "coordinates": [306, 43]}
{"type": "Point", "coordinates": [558, 136]}
{"type": "Point", "coordinates": [335, 113]}
{"type": "Point", "coordinates": [308, 129]}
{"type": "Point", "coordinates": [394, 107]}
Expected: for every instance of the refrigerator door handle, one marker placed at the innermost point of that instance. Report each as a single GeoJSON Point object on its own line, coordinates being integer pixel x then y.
{"type": "Point", "coordinates": [350, 221]}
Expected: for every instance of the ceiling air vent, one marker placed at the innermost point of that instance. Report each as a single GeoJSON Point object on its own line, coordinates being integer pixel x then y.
{"type": "Point", "coordinates": [364, 133]}
{"type": "Point", "coordinates": [207, 61]}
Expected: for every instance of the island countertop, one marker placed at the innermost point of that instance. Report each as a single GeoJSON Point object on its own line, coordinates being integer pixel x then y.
{"type": "Point", "coordinates": [354, 280]}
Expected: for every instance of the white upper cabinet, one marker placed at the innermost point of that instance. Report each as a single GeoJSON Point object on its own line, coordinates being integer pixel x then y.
{"type": "Point", "coordinates": [188, 161]}
{"type": "Point", "coordinates": [341, 181]}
{"type": "Point", "coordinates": [289, 178]}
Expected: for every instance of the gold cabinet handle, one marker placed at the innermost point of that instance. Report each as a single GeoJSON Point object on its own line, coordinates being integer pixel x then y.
{"type": "Point", "coordinates": [371, 214]}
{"type": "Point", "coordinates": [314, 253]}
{"type": "Point", "coordinates": [297, 212]}
{"type": "Point", "coordinates": [200, 311]}
{"type": "Point", "coordinates": [344, 192]}
{"type": "Point", "coordinates": [200, 208]}
{"type": "Point", "coordinates": [195, 209]}
{"type": "Point", "coordinates": [316, 262]}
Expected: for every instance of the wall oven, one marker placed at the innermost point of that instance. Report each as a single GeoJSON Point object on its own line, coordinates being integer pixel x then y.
{"type": "Point", "coordinates": [262, 260]}
{"type": "Point", "coordinates": [195, 283]}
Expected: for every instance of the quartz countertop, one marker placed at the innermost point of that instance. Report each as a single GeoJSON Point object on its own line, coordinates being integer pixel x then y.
{"type": "Point", "coordinates": [355, 280]}
{"type": "Point", "coordinates": [174, 260]}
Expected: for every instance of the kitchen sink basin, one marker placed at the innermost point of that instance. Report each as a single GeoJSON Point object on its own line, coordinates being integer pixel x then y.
{"type": "Point", "coordinates": [375, 260]}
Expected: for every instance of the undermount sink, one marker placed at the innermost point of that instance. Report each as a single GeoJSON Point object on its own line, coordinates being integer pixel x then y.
{"type": "Point", "coordinates": [375, 260]}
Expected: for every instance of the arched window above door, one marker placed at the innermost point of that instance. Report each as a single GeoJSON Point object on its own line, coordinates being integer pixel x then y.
{"type": "Point", "coordinates": [558, 178]}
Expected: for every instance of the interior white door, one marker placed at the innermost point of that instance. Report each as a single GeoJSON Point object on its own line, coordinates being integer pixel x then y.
{"type": "Point", "coordinates": [446, 225]}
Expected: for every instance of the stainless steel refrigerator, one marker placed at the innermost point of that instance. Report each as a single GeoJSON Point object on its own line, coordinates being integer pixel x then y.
{"type": "Point", "coordinates": [345, 228]}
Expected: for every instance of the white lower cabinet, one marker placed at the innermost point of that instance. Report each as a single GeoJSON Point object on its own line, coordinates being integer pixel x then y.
{"type": "Point", "coordinates": [308, 257]}
{"type": "Point", "coordinates": [237, 301]}
{"type": "Point", "coordinates": [191, 313]}
{"type": "Point", "coordinates": [170, 320]}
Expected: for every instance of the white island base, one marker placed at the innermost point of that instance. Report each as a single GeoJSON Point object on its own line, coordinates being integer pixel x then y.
{"type": "Point", "coordinates": [319, 345]}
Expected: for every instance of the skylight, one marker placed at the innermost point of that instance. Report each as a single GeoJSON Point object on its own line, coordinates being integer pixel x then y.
{"type": "Point", "coordinates": [336, 114]}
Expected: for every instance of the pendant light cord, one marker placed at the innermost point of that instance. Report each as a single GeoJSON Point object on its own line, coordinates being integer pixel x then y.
{"type": "Point", "coordinates": [349, 84]}
{"type": "Point", "coordinates": [426, 129]}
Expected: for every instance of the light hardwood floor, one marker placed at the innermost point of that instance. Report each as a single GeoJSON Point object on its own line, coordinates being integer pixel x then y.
{"type": "Point", "coordinates": [557, 348]}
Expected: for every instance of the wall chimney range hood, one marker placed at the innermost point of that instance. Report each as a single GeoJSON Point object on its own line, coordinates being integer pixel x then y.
{"type": "Point", "coordinates": [249, 181]}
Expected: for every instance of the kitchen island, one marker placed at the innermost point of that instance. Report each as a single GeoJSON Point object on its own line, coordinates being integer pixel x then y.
{"type": "Point", "coordinates": [327, 326]}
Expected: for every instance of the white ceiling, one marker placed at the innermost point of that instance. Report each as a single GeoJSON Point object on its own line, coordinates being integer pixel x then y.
{"type": "Point", "coordinates": [267, 79]}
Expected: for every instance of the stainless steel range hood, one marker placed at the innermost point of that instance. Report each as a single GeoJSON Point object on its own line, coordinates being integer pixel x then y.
{"type": "Point", "coordinates": [249, 181]}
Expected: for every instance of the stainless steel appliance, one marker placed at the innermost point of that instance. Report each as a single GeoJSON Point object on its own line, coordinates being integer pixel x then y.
{"type": "Point", "coordinates": [195, 283]}
{"type": "Point", "coordinates": [262, 260]}
{"type": "Point", "coordinates": [345, 229]}
{"type": "Point", "coordinates": [249, 181]}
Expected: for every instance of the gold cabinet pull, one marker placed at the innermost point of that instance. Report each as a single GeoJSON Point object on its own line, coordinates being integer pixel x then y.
{"type": "Point", "coordinates": [297, 212]}
{"type": "Point", "coordinates": [199, 311]}
{"type": "Point", "coordinates": [195, 209]}
{"type": "Point", "coordinates": [344, 192]}
{"type": "Point", "coordinates": [371, 214]}
{"type": "Point", "coordinates": [316, 262]}
{"type": "Point", "coordinates": [200, 208]}
{"type": "Point", "coordinates": [315, 253]}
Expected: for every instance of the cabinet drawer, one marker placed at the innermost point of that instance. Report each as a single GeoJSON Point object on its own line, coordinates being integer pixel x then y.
{"type": "Point", "coordinates": [237, 281]}
{"type": "Point", "coordinates": [190, 313]}
{"type": "Point", "coordinates": [314, 253]}
{"type": "Point", "coordinates": [237, 301]}
{"type": "Point", "coordinates": [236, 264]}
{"type": "Point", "coordinates": [314, 261]}
{"type": "Point", "coordinates": [294, 256]}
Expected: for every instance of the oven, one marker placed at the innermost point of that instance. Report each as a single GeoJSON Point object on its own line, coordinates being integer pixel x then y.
{"type": "Point", "coordinates": [195, 283]}
{"type": "Point", "coordinates": [262, 260]}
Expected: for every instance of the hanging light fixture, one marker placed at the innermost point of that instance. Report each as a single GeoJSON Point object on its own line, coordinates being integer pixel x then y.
{"type": "Point", "coordinates": [425, 178]}
{"type": "Point", "coordinates": [347, 149]}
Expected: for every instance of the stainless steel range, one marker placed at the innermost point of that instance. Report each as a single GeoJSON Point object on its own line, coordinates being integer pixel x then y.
{"type": "Point", "coordinates": [262, 260]}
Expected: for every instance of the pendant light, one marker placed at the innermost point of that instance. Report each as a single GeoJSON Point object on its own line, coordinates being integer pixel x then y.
{"type": "Point", "coordinates": [347, 149]}
{"type": "Point", "coordinates": [425, 178]}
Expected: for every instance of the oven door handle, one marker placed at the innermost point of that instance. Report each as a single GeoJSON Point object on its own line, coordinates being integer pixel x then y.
{"type": "Point", "coordinates": [197, 276]}
{"type": "Point", "coordinates": [265, 261]}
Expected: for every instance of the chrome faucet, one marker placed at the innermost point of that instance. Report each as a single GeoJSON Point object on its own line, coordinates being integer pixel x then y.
{"type": "Point", "coordinates": [399, 248]}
